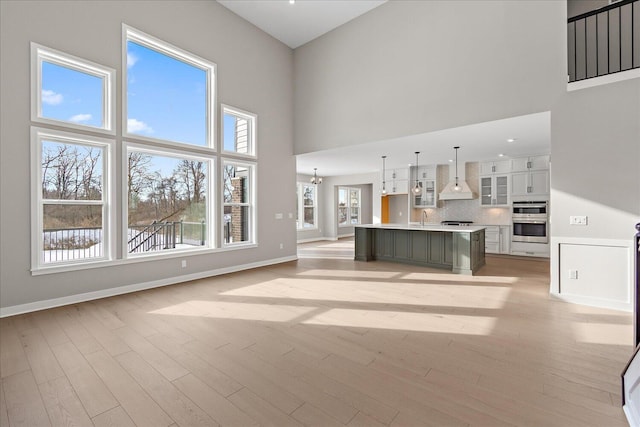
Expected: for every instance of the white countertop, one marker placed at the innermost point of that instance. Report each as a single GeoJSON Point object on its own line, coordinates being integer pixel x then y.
{"type": "Point", "coordinates": [427, 227]}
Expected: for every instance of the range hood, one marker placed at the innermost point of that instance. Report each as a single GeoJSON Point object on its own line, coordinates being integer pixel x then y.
{"type": "Point", "coordinates": [462, 191]}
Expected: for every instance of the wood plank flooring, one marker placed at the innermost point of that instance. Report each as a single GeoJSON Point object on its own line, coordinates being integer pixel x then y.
{"type": "Point", "coordinates": [324, 341]}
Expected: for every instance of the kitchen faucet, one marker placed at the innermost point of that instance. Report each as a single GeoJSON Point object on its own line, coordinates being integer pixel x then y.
{"type": "Point", "coordinates": [423, 219]}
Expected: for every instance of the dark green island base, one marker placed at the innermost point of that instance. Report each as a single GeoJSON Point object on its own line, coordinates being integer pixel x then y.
{"type": "Point", "coordinates": [459, 249]}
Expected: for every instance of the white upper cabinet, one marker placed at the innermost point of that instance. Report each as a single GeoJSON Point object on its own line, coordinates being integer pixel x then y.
{"type": "Point", "coordinates": [494, 190]}
{"type": "Point", "coordinates": [525, 164]}
{"type": "Point", "coordinates": [397, 181]}
{"type": "Point", "coordinates": [532, 183]}
{"type": "Point", "coordinates": [426, 178]}
{"type": "Point", "coordinates": [491, 168]}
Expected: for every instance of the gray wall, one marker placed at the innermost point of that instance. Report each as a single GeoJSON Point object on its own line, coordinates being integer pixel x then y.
{"type": "Point", "coordinates": [259, 79]}
{"type": "Point", "coordinates": [595, 153]}
{"type": "Point", "coordinates": [578, 7]}
{"type": "Point", "coordinates": [406, 68]}
{"type": "Point", "coordinates": [399, 209]}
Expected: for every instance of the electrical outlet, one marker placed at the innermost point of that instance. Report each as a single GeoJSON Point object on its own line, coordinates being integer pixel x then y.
{"type": "Point", "coordinates": [279, 216]}
{"type": "Point", "coordinates": [281, 245]}
{"type": "Point", "coordinates": [290, 215]}
{"type": "Point", "coordinates": [578, 220]}
{"type": "Point", "coordinates": [573, 274]}
{"type": "Point", "coordinates": [184, 263]}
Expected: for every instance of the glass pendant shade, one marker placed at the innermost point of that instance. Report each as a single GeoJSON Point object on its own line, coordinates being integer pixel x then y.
{"type": "Point", "coordinates": [417, 189]}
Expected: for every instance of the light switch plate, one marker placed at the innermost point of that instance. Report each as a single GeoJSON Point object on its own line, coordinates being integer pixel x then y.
{"type": "Point", "coordinates": [578, 220]}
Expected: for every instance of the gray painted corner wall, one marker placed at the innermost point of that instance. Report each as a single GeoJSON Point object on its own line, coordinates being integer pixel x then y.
{"type": "Point", "coordinates": [595, 154]}
{"type": "Point", "coordinates": [409, 67]}
{"type": "Point", "coordinates": [257, 80]}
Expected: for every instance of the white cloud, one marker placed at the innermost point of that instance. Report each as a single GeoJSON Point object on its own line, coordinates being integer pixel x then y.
{"type": "Point", "coordinates": [136, 126]}
{"type": "Point", "coordinates": [131, 60]}
{"type": "Point", "coordinates": [78, 118]}
{"type": "Point", "coordinates": [51, 98]}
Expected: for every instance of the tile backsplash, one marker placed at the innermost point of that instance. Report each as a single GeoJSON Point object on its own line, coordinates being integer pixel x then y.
{"type": "Point", "coordinates": [463, 210]}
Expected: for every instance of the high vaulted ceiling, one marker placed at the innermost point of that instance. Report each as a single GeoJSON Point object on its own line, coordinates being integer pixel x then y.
{"type": "Point", "coordinates": [304, 20]}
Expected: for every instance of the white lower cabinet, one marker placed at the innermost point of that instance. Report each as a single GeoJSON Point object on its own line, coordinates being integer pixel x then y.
{"type": "Point", "coordinates": [497, 239]}
{"type": "Point", "coordinates": [530, 249]}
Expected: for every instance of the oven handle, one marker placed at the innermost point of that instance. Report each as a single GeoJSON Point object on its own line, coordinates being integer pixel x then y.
{"type": "Point", "coordinates": [528, 221]}
{"type": "Point", "coordinates": [540, 205]}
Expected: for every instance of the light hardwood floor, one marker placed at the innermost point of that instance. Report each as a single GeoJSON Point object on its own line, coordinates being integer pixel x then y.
{"type": "Point", "coordinates": [321, 342]}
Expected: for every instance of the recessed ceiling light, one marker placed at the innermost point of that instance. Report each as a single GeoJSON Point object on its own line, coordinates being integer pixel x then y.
{"type": "Point", "coordinates": [500, 155]}
{"type": "Point", "coordinates": [292, 1]}
{"type": "Point", "coordinates": [450, 160]}
{"type": "Point", "coordinates": [511, 140]}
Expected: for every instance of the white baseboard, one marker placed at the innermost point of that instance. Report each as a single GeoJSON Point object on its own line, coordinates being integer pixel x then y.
{"type": "Point", "coordinates": [346, 235]}
{"type": "Point", "coordinates": [88, 296]}
{"type": "Point", "coordinates": [317, 239]}
{"type": "Point", "coordinates": [593, 302]}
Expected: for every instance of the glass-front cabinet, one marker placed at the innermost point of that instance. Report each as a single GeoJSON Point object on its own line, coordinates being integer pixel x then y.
{"type": "Point", "coordinates": [425, 177]}
{"type": "Point", "coordinates": [494, 190]}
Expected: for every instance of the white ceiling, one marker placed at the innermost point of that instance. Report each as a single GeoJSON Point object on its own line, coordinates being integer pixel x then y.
{"type": "Point", "coordinates": [299, 23]}
{"type": "Point", "coordinates": [479, 142]}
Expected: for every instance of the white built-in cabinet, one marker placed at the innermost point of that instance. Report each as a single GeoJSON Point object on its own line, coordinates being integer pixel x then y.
{"type": "Point", "coordinates": [425, 176]}
{"type": "Point", "coordinates": [516, 179]}
{"type": "Point", "coordinates": [397, 181]}
{"type": "Point", "coordinates": [497, 239]}
{"type": "Point", "coordinates": [491, 168]}
{"type": "Point", "coordinates": [530, 177]}
{"type": "Point", "coordinates": [494, 183]}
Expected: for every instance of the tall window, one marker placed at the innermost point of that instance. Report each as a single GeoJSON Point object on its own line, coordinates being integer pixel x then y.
{"type": "Point", "coordinates": [71, 197]}
{"type": "Point", "coordinates": [169, 92]}
{"type": "Point", "coordinates": [348, 206]}
{"type": "Point", "coordinates": [168, 200]}
{"type": "Point", "coordinates": [72, 215]}
{"type": "Point", "coordinates": [169, 105]}
{"type": "Point", "coordinates": [238, 134]}
{"type": "Point", "coordinates": [306, 209]}
{"type": "Point", "coordinates": [238, 203]}
{"type": "Point", "coordinates": [70, 91]}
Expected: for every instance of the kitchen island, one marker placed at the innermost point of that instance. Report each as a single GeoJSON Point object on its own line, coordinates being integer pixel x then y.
{"type": "Point", "coordinates": [456, 248]}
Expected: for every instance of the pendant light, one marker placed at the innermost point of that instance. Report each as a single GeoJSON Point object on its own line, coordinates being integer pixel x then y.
{"type": "Point", "coordinates": [315, 179]}
{"type": "Point", "coordinates": [384, 183]}
{"type": "Point", "coordinates": [457, 186]}
{"type": "Point", "coordinates": [417, 190]}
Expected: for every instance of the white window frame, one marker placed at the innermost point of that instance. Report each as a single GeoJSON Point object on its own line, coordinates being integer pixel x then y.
{"type": "Point", "coordinates": [252, 223]}
{"type": "Point", "coordinates": [40, 54]}
{"type": "Point", "coordinates": [38, 135]}
{"type": "Point", "coordinates": [178, 154]}
{"type": "Point", "coordinates": [301, 206]}
{"type": "Point", "coordinates": [349, 207]}
{"type": "Point", "coordinates": [148, 41]}
{"type": "Point", "coordinates": [252, 120]}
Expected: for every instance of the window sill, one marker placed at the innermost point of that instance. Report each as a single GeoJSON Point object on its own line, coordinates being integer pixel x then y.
{"type": "Point", "coordinates": [44, 270]}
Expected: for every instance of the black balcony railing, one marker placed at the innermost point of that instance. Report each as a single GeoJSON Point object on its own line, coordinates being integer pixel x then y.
{"type": "Point", "coordinates": [636, 268]}
{"type": "Point", "coordinates": [604, 41]}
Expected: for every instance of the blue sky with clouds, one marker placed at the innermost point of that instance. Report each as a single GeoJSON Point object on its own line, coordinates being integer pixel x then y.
{"type": "Point", "coordinates": [71, 95]}
{"type": "Point", "coordinates": [166, 98]}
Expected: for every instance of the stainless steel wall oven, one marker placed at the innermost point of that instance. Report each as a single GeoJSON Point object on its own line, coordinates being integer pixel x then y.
{"type": "Point", "coordinates": [530, 220]}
